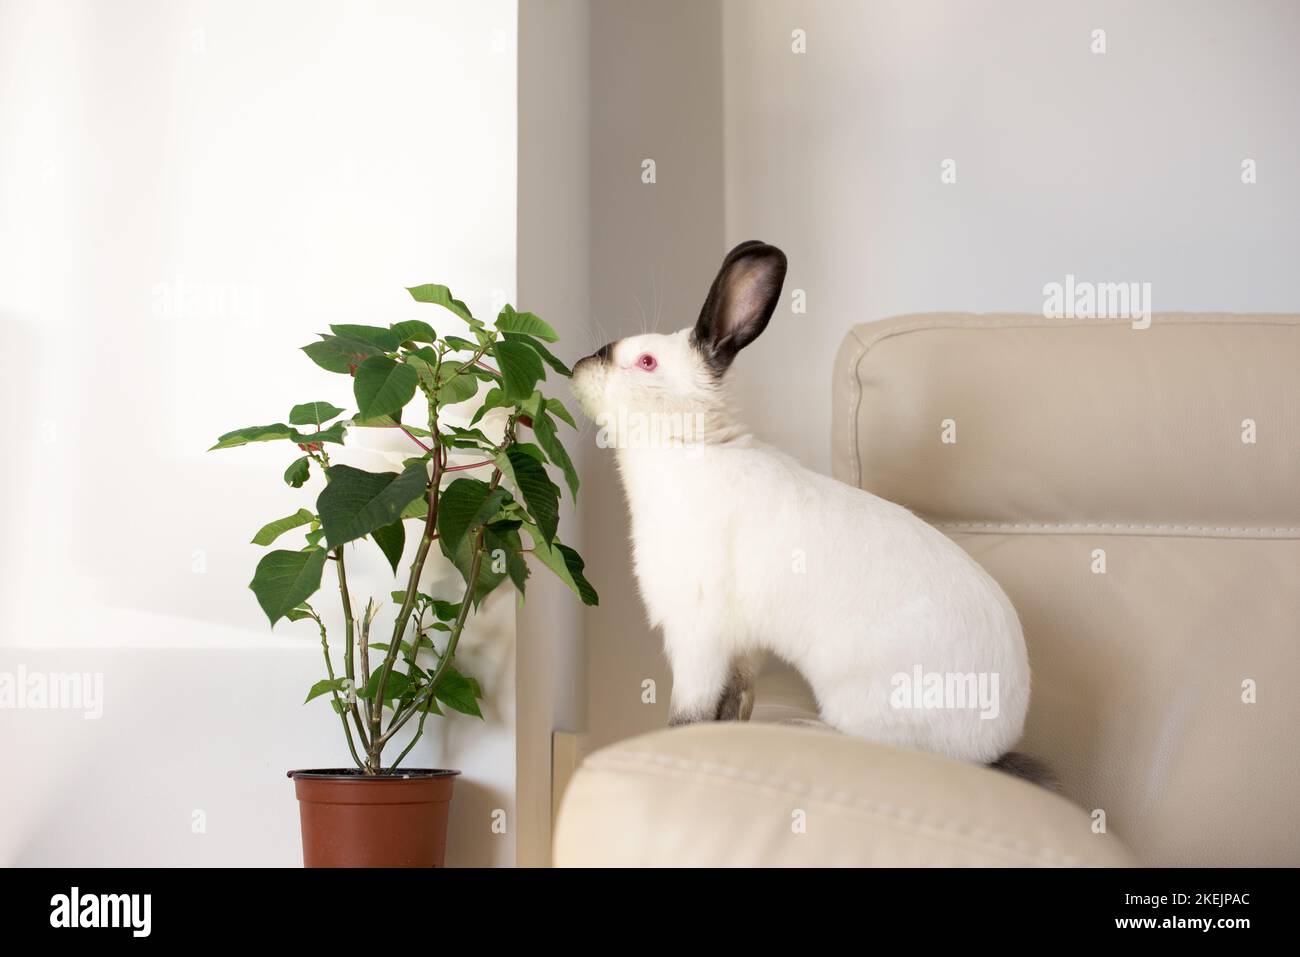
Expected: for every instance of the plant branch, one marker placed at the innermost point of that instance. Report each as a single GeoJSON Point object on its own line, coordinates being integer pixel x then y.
{"type": "Point", "coordinates": [412, 586]}
{"type": "Point", "coordinates": [412, 437]}
{"type": "Point", "coordinates": [472, 465]}
{"type": "Point", "coordinates": [366, 618]}
{"type": "Point", "coordinates": [444, 661]}
{"type": "Point", "coordinates": [340, 708]}
{"type": "Point", "coordinates": [473, 361]}
{"type": "Point", "coordinates": [349, 663]}
{"type": "Point", "coordinates": [419, 731]}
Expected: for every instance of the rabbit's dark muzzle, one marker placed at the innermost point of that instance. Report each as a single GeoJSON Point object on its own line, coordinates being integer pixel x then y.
{"type": "Point", "coordinates": [603, 354]}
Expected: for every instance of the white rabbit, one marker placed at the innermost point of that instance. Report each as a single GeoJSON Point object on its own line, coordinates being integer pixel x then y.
{"type": "Point", "coordinates": [739, 550]}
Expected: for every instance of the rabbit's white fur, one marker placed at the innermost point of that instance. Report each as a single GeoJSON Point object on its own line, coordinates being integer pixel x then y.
{"type": "Point", "coordinates": [739, 550]}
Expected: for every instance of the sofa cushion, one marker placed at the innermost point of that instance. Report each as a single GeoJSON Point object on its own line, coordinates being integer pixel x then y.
{"type": "Point", "coordinates": [734, 794]}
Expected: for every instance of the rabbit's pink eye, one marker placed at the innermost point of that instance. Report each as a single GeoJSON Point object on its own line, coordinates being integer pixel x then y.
{"type": "Point", "coordinates": [647, 362]}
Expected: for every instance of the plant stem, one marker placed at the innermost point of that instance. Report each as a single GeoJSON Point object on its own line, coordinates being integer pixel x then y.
{"type": "Point", "coordinates": [349, 664]}
{"type": "Point", "coordinates": [411, 436]}
{"type": "Point", "coordinates": [448, 653]}
{"type": "Point", "coordinates": [412, 587]}
{"type": "Point", "coordinates": [471, 465]}
{"type": "Point", "coordinates": [473, 361]}
{"type": "Point", "coordinates": [364, 649]}
{"type": "Point", "coordinates": [329, 668]}
{"type": "Point", "coordinates": [419, 731]}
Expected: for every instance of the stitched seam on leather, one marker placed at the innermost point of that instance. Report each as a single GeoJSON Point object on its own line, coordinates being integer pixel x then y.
{"type": "Point", "coordinates": [784, 787]}
{"type": "Point", "coordinates": [1121, 528]}
{"type": "Point", "coordinates": [853, 416]}
{"type": "Point", "coordinates": [1011, 322]}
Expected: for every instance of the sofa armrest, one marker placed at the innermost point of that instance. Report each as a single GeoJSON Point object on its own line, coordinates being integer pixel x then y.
{"type": "Point", "coordinates": [744, 794]}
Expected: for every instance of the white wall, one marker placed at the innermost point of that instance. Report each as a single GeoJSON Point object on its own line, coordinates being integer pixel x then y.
{"type": "Point", "coordinates": [1117, 167]}
{"type": "Point", "coordinates": [553, 283]}
{"type": "Point", "coordinates": [188, 192]}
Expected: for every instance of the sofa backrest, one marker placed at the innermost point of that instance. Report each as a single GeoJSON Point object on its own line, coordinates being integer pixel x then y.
{"type": "Point", "coordinates": [1136, 491]}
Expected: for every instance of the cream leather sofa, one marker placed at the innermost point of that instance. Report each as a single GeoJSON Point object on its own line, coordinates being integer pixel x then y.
{"type": "Point", "coordinates": [1137, 493]}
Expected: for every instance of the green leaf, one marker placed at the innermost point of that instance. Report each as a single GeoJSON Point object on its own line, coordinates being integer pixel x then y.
{"type": "Point", "coordinates": [544, 353]}
{"type": "Point", "coordinates": [284, 580]}
{"type": "Point", "coordinates": [445, 610]}
{"type": "Point", "coordinates": [298, 472]}
{"type": "Point", "coordinates": [458, 503]}
{"type": "Point", "coordinates": [462, 557]}
{"type": "Point", "coordinates": [441, 296]}
{"type": "Point", "coordinates": [340, 354]}
{"type": "Point", "coordinates": [418, 508]}
{"type": "Point", "coordinates": [326, 686]}
{"type": "Point", "coordinates": [390, 421]}
{"type": "Point", "coordinates": [254, 433]}
{"type": "Point", "coordinates": [300, 613]}
{"type": "Point", "coordinates": [414, 330]}
{"type": "Point", "coordinates": [355, 503]}
{"type": "Point", "coordinates": [459, 692]}
{"type": "Point", "coordinates": [459, 344]}
{"type": "Point", "coordinates": [565, 563]}
{"type": "Point", "coordinates": [520, 369]}
{"type": "Point", "coordinates": [557, 409]}
{"type": "Point", "coordinates": [493, 399]}
{"type": "Point", "coordinates": [399, 685]}
{"type": "Point", "coordinates": [531, 450]}
{"type": "Point", "coordinates": [314, 536]}
{"type": "Point", "coordinates": [506, 540]}
{"type": "Point", "coordinates": [313, 413]}
{"type": "Point", "coordinates": [334, 434]}
{"type": "Point", "coordinates": [474, 436]}
{"type": "Point", "coordinates": [425, 361]}
{"type": "Point", "coordinates": [454, 385]}
{"type": "Point", "coordinates": [273, 530]}
{"type": "Point", "coordinates": [526, 323]}
{"type": "Point", "coordinates": [539, 492]}
{"type": "Point", "coordinates": [464, 505]}
{"type": "Point", "coordinates": [386, 340]}
{"type": "Point", "coordinates": [383, 386]}
{"type": "Point", "coordinates": [544, 429]}
{"type": "Point", "coordinates": [391, 539]}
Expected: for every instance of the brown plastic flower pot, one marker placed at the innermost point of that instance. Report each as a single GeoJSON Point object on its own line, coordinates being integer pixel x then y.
{"type": "Point", "coordinates": [350, 819]}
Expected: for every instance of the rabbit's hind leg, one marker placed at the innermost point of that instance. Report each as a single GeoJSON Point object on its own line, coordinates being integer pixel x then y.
{"type": "Point", "coordinates": [737, 702]}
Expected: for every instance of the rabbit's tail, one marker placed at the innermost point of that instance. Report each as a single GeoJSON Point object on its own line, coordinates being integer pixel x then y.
{"type": "Point", "coordinates": [1029, 769]}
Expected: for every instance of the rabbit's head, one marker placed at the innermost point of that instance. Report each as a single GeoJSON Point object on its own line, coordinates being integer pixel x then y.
{"type": "Point", "coordinates": [681, 374]}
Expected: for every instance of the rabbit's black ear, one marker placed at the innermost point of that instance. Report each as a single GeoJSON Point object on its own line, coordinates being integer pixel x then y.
{"type": "Point", "coordinates": [741, 301]}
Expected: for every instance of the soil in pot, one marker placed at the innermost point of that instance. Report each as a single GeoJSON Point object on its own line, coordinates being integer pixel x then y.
{"type": "Point", "coordinates": [350, 819]}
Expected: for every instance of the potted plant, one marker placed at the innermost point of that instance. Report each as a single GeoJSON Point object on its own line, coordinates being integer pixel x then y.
{"type": "Point", "coordinates": [477, 513]}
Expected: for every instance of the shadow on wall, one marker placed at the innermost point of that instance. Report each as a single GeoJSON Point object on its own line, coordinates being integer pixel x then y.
{"type": "Point", "coordinates": [656, 235]}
